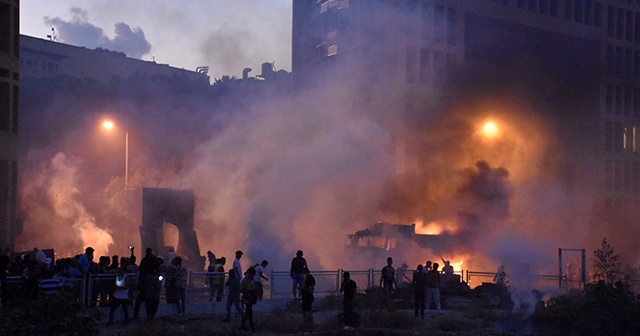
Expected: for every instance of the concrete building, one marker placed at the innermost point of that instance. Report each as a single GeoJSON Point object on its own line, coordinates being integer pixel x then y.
{"type": "Point", "coordinates": [40, 57]}
{"type": "Point", "coordinates": [9, 92]}
{"type": "Point", "coordinates": [580, 59]}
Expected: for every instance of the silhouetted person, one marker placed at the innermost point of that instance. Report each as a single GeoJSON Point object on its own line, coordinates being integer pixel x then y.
{"type": "Point", "coordinates": [120, 297]}
{"type": "Point", "coordinates": [297, 275]}
{"type": "Point", "coordinates": [307, 300]}
{"type": "Point", "coordinates": [419, 283]}
{"type": "Point", "coordinates": [233, 295]}
{"type": "Point", "coordinates": [433, 287]}
{"type": "Point", "coordinates": [149, 265]}
{"type": "Point", "coordinates": [349, 288]}
{"type": "Point", "coordinates": [447, 268]}
{"type": "Point", "coordinates": [249, 292]}
{"type": "Point", "coordinates": [388, 277]}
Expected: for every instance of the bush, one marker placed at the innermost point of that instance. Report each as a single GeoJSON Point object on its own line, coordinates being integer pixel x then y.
{"type": "Point", "coordinates": [602, 310]}
{"type": "Point", "coordinates": [50, 315]}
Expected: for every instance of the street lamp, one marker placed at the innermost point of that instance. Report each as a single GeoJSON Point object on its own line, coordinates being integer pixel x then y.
{"type": "Point", "coordinates": [109, 125]}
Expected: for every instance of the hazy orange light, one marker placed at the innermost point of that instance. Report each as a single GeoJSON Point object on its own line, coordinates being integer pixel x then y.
{"type": "Point", "coordinates": [490, 130]}
{"type": "Point", "coordinates": [107, 124]}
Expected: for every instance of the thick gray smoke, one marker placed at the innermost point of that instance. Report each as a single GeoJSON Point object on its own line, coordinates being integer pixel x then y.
{"type": "Point", "coordinates": [283, 175]}
{"type": "Point", "coordinates": [80, 32]}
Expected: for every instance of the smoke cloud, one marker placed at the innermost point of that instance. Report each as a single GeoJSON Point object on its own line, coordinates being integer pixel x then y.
{"type": "Point", "coordinates": [58, 178]}
{"type": "Point", "coordinates": [302, 173]}
{"type": "Point", "coordinates": [79, 31]}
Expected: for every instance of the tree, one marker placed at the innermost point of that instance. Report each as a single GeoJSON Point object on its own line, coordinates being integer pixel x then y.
{"type": "Point", "coordinates": [606, 264]}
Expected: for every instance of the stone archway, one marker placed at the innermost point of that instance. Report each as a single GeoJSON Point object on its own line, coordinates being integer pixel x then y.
{"type": "Point", "coordinates": [163, 205]}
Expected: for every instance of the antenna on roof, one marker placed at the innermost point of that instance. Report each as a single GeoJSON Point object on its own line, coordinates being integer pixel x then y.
{"type": "Point", "coordinates": [53, 35]}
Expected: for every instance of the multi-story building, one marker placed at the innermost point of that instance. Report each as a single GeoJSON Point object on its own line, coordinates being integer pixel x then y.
{"type": "Point", "coordinates": [578, 61]}
{"type": "Point", "coordinates": [9, 80]}
{"type": "Point", "coordinates": [40, 57]}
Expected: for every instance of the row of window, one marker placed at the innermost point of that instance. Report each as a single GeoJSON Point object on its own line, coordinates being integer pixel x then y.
{"type": "Point", "coordinates": [621, 207]}
{"type": "Point", "coordinates": [622, 176]}
{"type": "Point", "coordinates": [8, 108]}
{"type": "Point", "coordinates": [587, 12]}
{"type": "Point", "coordinates": [623, 24]}
{"type": "Point", "coordinates": [28, 63]}
{"type": "Point", "coordinates": [434, 22]}
{"type": "Point", "coordinates": [622, 100]}
{"type": "Point", "coordinates": [423, 64]}
{"type": "Point", "coordinates": [620, 137]}
{"type": "Point", "coordinates": [9, 39]}
{"type": "Point", "coordinates": [623, 62]}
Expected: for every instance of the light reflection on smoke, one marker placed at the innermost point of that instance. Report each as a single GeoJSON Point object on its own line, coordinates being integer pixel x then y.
{"type": "Point", "coordinates": [64, 197]}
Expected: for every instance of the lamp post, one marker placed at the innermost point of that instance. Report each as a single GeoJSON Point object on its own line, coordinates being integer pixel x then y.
{"type": "Point", "coordinates": [107, 124]}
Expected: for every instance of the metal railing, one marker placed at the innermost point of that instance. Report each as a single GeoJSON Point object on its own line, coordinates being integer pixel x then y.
{"type": "Point", "coordinates": [97, 289]}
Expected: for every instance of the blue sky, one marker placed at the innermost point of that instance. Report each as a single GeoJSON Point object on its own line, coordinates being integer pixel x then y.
{"type": "Point", "coordinates": [226, 35]}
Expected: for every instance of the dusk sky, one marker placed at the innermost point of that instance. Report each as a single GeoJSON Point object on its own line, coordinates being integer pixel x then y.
{"type": "Point", "coordinates": [227, 35]}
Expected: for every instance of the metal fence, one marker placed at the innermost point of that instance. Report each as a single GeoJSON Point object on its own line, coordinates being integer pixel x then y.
{"type": "Point", "coordinates": [96, 289]}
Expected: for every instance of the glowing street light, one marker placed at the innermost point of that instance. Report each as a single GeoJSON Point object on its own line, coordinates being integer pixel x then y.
{"type": "Point", "coordinates": [109, 125]}
{"type": "Point", "coordinates": [490, 130]}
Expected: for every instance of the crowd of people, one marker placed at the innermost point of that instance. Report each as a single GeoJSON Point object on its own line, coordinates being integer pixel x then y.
{"type": "Point", "coordinates": [119, 282]}
{"type": "Point", "coordinates": [426, 283]}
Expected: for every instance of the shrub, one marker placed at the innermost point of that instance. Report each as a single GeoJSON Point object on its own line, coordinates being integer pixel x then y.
{"type": "Point", "coordinates": [50, 315]}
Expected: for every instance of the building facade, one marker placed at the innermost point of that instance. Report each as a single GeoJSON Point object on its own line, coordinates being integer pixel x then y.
{"type": "Point", "coordinates": [9, 92]}
{"type": "Point", "coordinates": [580, 59]}
{"type": "Point", "coordinates": [40, 57]}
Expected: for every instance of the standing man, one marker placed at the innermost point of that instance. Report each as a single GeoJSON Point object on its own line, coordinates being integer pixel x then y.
{"type": "Point", "coordinates": [84, 262]}
{"type": "Point", "coordinates": [419, 289]}
{"type": "Point", "coordinates": [306, 292]}
{"type": "Point", "coordinates": [217, 281]}
{"type": "Point", "coordinates": [297, 265]}
{"type": "Point", "coordinates": [349, 288]}
{"type": "Point", "coordinates": [249, 297]}
{"type": "Point", "coordinates": [149, 266]}
{"type": "Point", "coordinates": [388, 277]}
{"type": "Point", "coordinates": [236, 264]}
{"type": "Point", "coordinates": [84, 265]}
{"type": "Point", "coordinates": [433, 286]}
{"type": "Point", "coordinates": [259, 276]}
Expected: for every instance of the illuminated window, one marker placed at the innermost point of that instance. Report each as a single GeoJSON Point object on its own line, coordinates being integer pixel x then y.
{"type": "Point", "coordinates": [332, 50]}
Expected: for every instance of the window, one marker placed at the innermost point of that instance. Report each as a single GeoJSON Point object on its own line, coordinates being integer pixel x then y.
{"type": "Point", "coordinates": [544, 6]}
{"type": "Point", "coordinates": [452, 25]}
{"type": "Point", "coordinates": [597, 15]}
{"type": "Point", "coordinates": [620, 23]}
{"type": "Point", "coordinates": [637, 30]}
{"type": "Point", "coordinates": [14, 112]}
{"type": "Point", "coordinates": [619, 99]}
{"type": "Point", "coordinates": [5, 106]}
{"type": "Point", "coordinates": [629, 26]}
{"type": "Point", "coordinates": [609, 99]}
{"type": "Point", "coordinates": [5, 28]}
{"type": "Point", "coordinates": [636, 102]}
{"type": "Point", "coordinates": [439, 24]}
{"type": "Point", "coordinates": [578, 11]}
{"type": "Point", "coordinates": [554, 6]}
{"type": "Point", "coordinates": [568, 10]}
{"type": "Point", "coordinates": [628, 100]}
{"type": "Point", "coordinates": [611, 21]}
{"type": "Point", "coordinates": [425, 16]}
{"type": "Point", "coordinates": [412, 64]}
{"type": "Point", "coordinates": [611, 59]}
{"type": "Point", "coordinates": [425, 62]}
{"type": "Point", "coordinates": [588, 12]}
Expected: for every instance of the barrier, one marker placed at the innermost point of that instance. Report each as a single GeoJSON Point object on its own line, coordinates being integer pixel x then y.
{"type": "Point", "coordinates": [99, 287]}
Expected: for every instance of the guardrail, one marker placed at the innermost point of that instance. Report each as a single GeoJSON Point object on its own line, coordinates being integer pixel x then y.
{"type": "Point", "coordinates": [96, 289]}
